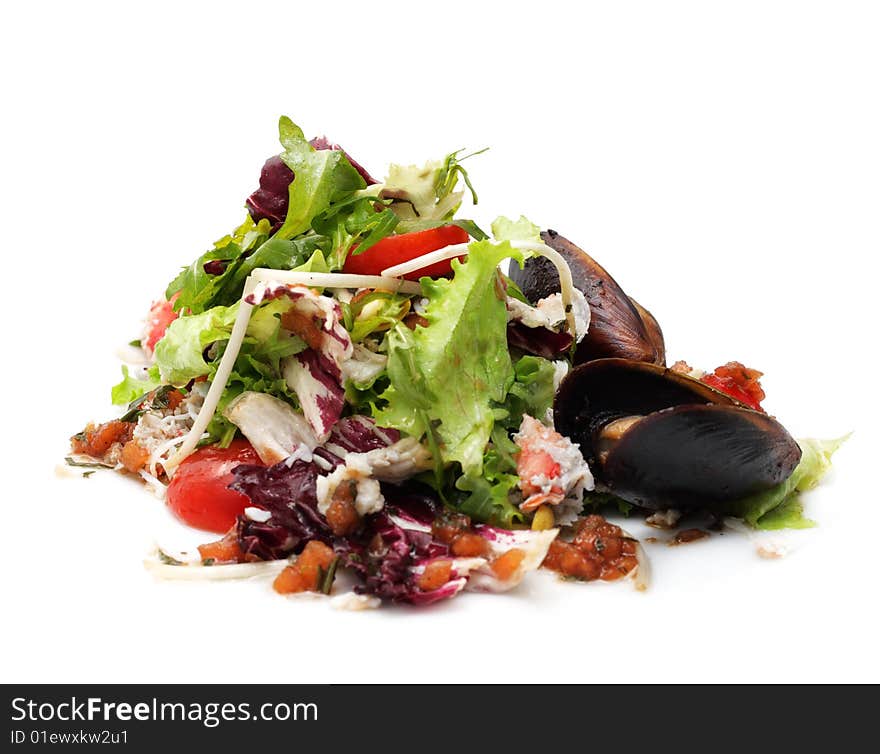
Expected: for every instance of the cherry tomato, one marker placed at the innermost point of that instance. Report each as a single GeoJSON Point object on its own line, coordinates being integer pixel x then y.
{"type": "Point", "coordinates": [161, 315]}
{"type": "Point", "coordinates": [198, 493]}
{"type": "Point", "coordinates": [397, 249]}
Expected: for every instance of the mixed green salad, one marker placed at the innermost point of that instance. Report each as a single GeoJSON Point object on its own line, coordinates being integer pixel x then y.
{"type": "Point", "coordinates": [359, 380]}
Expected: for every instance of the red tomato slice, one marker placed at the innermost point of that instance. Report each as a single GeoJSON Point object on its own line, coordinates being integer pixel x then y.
{"type": "Point", "coordinates": [397, 249]}
{"type": "Point", "coordinates": [161, 315]}
{"type": "Point", "coordinates": [198, 493]}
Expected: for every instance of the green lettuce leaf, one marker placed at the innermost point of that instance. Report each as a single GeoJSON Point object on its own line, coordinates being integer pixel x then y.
{"type": "Point", "coordinates": [180, 354]}
{"type": "Point", "coordinates": [427, 192]}
{"type": "Point", "coordinates": [450, 376]}
{"type": "Point", "coordinates": [320, 178]}
{"type": "Point", "coordinates": [780, 507]}
{"type": "Point", "coordinates": [532, 390]}
{"type": "Point", "coordinates": [379, 310]}
{"type": "Point", "coordinates": [505, 229]}
{"type": "Point", "coordinates": [196, 290]}
{"type": "Point", "coordinates": [489, 493]}
{"type": "Point", "coordinates": [132, 388]}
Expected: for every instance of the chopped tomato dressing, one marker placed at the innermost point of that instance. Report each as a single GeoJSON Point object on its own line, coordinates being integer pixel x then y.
{"type": "Point", "coordinates": [96, 441]}
{"type": "Point", "coordinates": [342, 516]}
{"type": "Point", "coordinates": [304, 326]}
{"type": "Point", "coordinates": [305, 574]}
{"type": "Point", "coordinates": [224, 550]}
{"type": "Point", "coordinates": [739, 382]}
{"type": "Point", "coordinates": [436, 574]}
{"type": "Point", "coordinates": [469, 545]}
{"type": "Point", "coordinates": [506, 565]}
{"type": "Point", "coordinates": [599, 550]}
{"type": "Point", "coordinates": [448, 525]}
{"type": "Point", "coordinates": [134, 456]}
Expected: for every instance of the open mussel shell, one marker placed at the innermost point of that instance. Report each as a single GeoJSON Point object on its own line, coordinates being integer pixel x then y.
{"type": "Point", "coordinates": [619, 327]}
{"type": "Point", "coordinates": [660, 439]}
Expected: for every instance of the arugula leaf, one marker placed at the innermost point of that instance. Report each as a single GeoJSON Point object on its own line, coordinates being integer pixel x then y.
{"type": "Point", "coordinates": [455, 371]}
{"type": "Point", "coordinates": [86, 464]}
{"type": "Point", "coordinates": [275, 254]}
{"type": "Point", "coordinates": [355, 222]}
{"type": "Point", "coordinates": [468, 226]}
{"type": "Point", "coordinates": [447, 176]}
{"type": "Point", "coordinates": [197, 289]}
{"type": "Point", "coordinates": [320, 178]}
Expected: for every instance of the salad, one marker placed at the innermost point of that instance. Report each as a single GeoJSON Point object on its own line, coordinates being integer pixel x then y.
{"type": "Point", "coordinates": [360, 386]}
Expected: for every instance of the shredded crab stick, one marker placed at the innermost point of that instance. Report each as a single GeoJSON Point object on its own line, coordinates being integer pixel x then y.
{"type": "Point", "coordinates": [239, 329]}
{"type": "Point", "coordinates": [566, 284]}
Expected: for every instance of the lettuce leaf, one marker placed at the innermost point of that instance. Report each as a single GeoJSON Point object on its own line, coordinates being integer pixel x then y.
{"type": "Point", "coordinates": [450, 376]}
{"type": "Point", "coordinates": [427, 193]}
{"type": "Point", "coordinates": [780, 507]}
{"type": "Point", "coordinates": [489, 494]}
{"type": "Point", "coordinates": [180, 354]}
{"type": "Point", "coordinates": [198, 290]}
{"type": "Point", "coordinates": [532, 390]}
{"type": "Point", "coordinates": [132, 388]}
{"type": "Point", "coordinates": [505, 229]}
{"type": "Point", "coordinates": [376, 311]}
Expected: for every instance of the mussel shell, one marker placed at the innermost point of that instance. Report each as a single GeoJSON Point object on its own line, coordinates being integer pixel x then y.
{"type": "Point", "coordinates": [699, 456]}
{"type": "Point", "coordinates": [694, 446]}
{"type": "Point", "coordinates": [652, 328]}
{"type": "Point", "coordinates": [594, 393]}
{"type": "Point", "coordinates": [616, 326]}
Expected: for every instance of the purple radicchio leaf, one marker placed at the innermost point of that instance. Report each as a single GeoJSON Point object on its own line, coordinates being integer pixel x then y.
{"type": "Point", "coordinates": [359, 434]}
{"type": "Point", "coordinates": [289, 493]}
{"type": "Point", "coordinates": [315, 380]}
{"type": "Point", "coordinates": [399, 539]}
{"type": "Point", "coordinates": [538, 340]}
{"type": "Point", "coordinates": [264, 540]}
{"type": "Point", "coordinates": [321, 142]}
{"type": "Point", "coordinates": [269, 202]}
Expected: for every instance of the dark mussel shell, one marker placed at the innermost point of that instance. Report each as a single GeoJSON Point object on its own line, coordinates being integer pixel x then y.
{"type": "Point", "coordinates": [617, 324]}
{"type": "Point", "coordinates": [653, 331]}
{"type": "Point", "coordinates": [693, 447]}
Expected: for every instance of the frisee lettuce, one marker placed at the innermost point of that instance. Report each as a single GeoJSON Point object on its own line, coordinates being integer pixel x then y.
{"type": "Point", "coordinates": [449, 377]}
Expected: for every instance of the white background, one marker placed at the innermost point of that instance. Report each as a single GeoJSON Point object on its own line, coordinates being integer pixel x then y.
{"type": "Point", "coordinates": [721, 159]}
